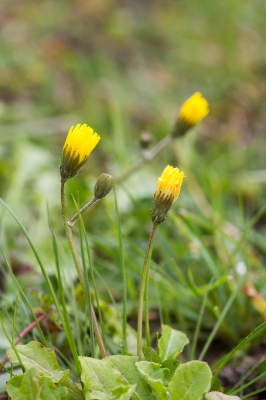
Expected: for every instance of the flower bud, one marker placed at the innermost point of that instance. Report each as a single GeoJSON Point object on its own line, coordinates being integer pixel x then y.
{"type": "Point", "coordinates": [103, 185]}
{"type": "Point", "coordinates": [169, 185]}
{"type": "Point", "coordinates": [79, 143]}
{"type": "Point", "coordinates": [192, 112]}
{"type": "Point", "coordinates": [145, 140]}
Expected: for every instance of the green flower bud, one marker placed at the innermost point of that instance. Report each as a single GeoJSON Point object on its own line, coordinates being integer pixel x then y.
{"type": "Point", "coordinates": [103, 185]}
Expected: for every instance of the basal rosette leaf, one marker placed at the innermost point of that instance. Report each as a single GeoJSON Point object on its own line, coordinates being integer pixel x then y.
{"type": "Point", "coordinates": [190, 381]}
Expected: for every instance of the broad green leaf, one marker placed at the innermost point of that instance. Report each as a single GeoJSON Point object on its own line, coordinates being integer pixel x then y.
{"type": "Point", "coordinates": [49, 391]}
{"type": "Point", "coordinates": [157, 377]}
{"type": "Point", "coordinates": [172, 365]}
{"type": "Point", "coordinates": [31, 385]}
{"type": "Point", "coordinates": [171, 343]}
{"type": "Point", "coordinates": [190, 381]}
{"type": "Point", "coordinates": [35, 355]}
{"type": "Point", "coordinates": [74, 393]}
{"type": "Point", "coordinates": [101, 377]}
{"type": "Point", "coordinates": [220, 396]}
{"type": "Point", "coordinates": [126, 365]}
{"type": "Point", "coordinates": [151, 355]}
{"type": "Point", "coordinates": [24, 387]}
{"type": "Point", "coordinates": [123, 392]}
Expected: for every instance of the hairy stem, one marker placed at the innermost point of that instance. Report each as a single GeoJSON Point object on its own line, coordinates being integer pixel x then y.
{"type": "Point", "coordinates": [144, 277]}
{"type": "Point", "coordinates": [74, 254]}
{"type": "Point", "coordinates": [75, 217]}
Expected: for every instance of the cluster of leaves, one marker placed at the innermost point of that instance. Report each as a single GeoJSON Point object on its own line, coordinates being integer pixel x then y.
{"type": "Point", "coordinates": [120, 377]}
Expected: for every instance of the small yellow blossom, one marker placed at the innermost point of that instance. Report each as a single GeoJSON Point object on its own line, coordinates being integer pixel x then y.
{"type": "Point", "coordinates": [79, 143]}
{"type": "Point", "coordinates": [169, 185]}
{"type": "Point", "coordinates": [192, 112]}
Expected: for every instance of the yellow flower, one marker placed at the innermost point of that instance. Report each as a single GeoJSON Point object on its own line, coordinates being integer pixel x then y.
{"type": "Point", "coordinates": [169, 185]}
{"type": "Point", "coordinates": [192, 112]}
{"type": "Point", "coordinates": [79, 143]}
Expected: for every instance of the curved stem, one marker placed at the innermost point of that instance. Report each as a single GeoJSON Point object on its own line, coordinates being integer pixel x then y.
{"type": "Point", "coordinates": [144, 277]}
{"type": "Point", "coordinates": [74, 254]}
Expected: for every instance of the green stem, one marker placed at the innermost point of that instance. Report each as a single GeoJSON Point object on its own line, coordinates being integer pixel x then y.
{"type": "Point", "coordinates": [124, 273]}
{"type": "Point", "coordinates": [144, 277]}
{"type": "Point", "coordinates": [65, 317]}
{"type": "Point", "coordinates": [146, 312]}
{"type": "Point", "coordinates": [74, 254]}
{"type": "Point", "coordinates": [75, 217]}
{"type": "Point", "coordinates": [69, 236]}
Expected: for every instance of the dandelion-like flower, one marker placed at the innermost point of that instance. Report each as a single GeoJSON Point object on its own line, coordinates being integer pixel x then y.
{"type": "Point", "coordinates": [79, 143]}
{"type": "Point", "coordinates": [192, 112]}
{"type": "Point", "coordinates": [169, 185]}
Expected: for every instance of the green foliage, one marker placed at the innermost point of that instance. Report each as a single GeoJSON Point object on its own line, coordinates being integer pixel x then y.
{"type": "Point", "coordinates": [156, 377]}
{"type": "Point", "coordinates": [42, 375]}
{"type": "Point", "coordinates": [171, 343]}
{"type": "Point", "coordinates": [151, 380]}
{"type": "Point", "coordinates": [190, 381]}
{"type": "Point", "coordinates": [117, 377]}
{"type": "Point", "coordinates": [35, 355]}
{"type": "Point", "coordinates": [123, 393]}
{"type": "Point", "coordinates": [151, 355]}
{"type": "Point", "coordinates": [31, 385]}
{"type": "Point", "coordinates": [101, 377]}
{"type": "Point", "coordinates": [24, 386]}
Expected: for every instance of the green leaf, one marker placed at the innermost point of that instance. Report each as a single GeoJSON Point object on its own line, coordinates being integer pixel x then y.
{"type": "Point", "coordinates": [171, 343]}
{"type": "Point", "coordinates": [74, 393]}
{"type": "Point", "coordinates": [123, 392]}
{"type": "Point", "coordinates": [101, 377]}
{"type": "Point", "coordinates": [157, 377]}
{"type": "Point", "coordinates": [35, 355]}
{"type": "Point", "coordinates": [126, 365]}
{"type": "Point", "coordinates": [24, 387]}
{"type": "Point", "coordinates": [172, 365]}
{"type": "Point", "coordinates": [190, 381]}
{"type": "Point", "coordinates": [151, 355]}
{"type": "Point", "coordinates": [49, 391]}
{"type": "Point", "coordinates": [220, 396]}
{"type": "Point", "coordinates": [31, 385]}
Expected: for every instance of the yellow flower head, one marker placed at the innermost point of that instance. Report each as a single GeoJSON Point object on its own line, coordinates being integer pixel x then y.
{"type": "Point", "coordinates": [79, 143]}
{"type": "Point", "coordinates": [192, 112]}
{"type": "Point", "coordinates": [169, 185]}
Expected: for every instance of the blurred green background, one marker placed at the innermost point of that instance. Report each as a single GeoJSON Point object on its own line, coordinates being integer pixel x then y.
{"type": "Point", "coordinates": [124, 68]}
